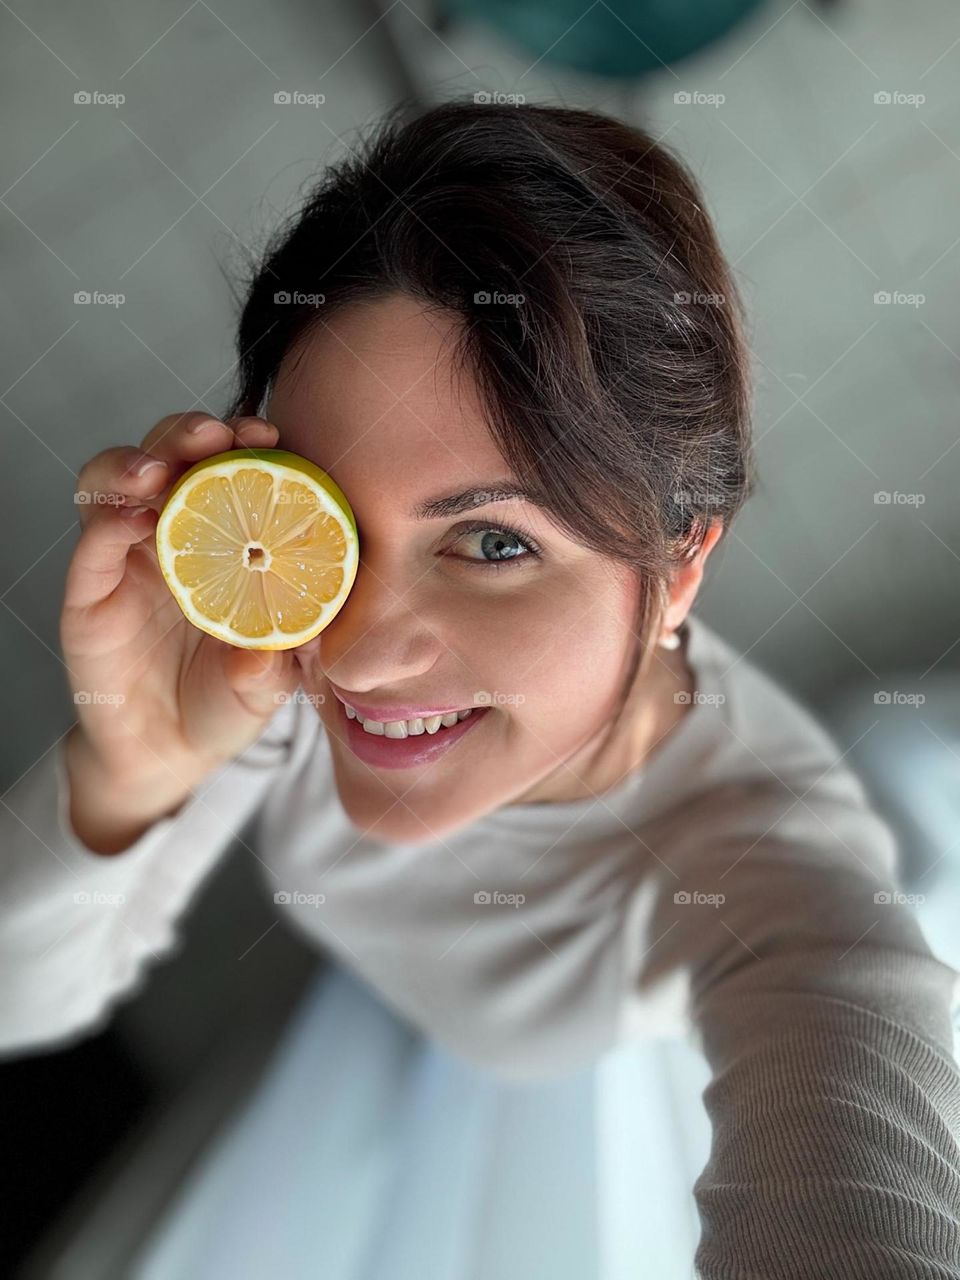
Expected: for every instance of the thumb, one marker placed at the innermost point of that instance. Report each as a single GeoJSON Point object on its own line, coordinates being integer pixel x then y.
{"type": "Point", "coordinates": [259, 676]}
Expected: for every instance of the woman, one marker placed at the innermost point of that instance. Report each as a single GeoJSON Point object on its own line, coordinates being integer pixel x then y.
{"type": "Point", "coordinates": [510, 335]}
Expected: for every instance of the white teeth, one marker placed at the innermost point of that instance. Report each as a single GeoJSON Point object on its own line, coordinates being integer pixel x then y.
{"type": "Point", "coordinates": [407, 728]}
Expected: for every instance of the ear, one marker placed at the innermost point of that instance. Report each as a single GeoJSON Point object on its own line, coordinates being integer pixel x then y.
{"type": "Point", "coordinates": [686, 580]}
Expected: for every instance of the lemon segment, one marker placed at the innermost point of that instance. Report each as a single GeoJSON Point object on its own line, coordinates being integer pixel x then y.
{"type": "Point", "coordinates": [259, 547]}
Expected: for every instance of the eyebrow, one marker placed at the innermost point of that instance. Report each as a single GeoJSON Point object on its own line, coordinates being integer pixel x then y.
{"type": "Point", "coordinates": [453, 504]}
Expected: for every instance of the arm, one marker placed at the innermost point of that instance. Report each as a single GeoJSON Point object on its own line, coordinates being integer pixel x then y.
{"type": "Point", "coordinates": [826, 1021]}
{"type": "Point", "coordinates": [77, 928]}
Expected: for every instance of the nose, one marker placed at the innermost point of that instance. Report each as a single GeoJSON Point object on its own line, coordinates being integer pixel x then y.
{"type": "Point", "coordinates": [379, 639]}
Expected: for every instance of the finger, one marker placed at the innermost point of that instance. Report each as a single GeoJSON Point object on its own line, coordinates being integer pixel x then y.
{"type": "Point", "coordinates": [124, 472]}
{"type": "Point", "coordinates": [181, 439]}
{"type": "Point", "coordinates": [258, 677]}
{"type": "Point", "coordinates": [100, 557]}
{"type": "Point", "coordinates": [252, 432]}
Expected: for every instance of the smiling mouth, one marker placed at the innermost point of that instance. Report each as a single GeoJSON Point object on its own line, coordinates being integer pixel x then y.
{"type": "Point", "coordinates": [397, 750]}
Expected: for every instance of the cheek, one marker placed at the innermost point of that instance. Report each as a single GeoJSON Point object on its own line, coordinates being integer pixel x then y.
{"type": "Point", "coordinates": [555, 659]}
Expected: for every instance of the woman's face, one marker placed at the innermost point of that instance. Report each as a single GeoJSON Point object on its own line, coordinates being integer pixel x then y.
{"type": "Point", "coordinates": [443, 612]}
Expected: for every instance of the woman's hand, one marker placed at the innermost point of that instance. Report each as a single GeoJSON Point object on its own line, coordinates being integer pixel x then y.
{"type": "Point", "coordinates": [160, 703]}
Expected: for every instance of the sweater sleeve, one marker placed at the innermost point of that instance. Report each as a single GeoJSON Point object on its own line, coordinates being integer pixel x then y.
{"type": "Point", "coordinates": [834, 1097]}
{"type": "Point", "coordinates": [78, 930]}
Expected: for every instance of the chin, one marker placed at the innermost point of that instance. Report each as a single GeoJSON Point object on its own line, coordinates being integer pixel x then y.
{"type": "Point", "coordinates": [375, 809]}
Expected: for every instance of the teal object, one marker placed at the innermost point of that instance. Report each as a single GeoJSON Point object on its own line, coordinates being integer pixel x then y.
{"type": "Point", "coordinates": [619, 38]}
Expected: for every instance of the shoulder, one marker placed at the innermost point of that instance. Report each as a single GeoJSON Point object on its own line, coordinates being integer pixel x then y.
{"type": "Point", "coordinates": [755, 728]}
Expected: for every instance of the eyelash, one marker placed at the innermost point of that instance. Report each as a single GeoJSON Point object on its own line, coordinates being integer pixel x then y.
{"type": "Point", "coordinates": [532, 548]}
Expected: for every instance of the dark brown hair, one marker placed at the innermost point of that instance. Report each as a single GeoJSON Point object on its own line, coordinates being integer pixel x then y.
{"type": "Point", "coordinates": [599, 316]}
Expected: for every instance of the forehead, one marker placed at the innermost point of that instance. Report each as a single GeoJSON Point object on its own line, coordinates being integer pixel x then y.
{"type": "Point", "coordinates": [373, 395]}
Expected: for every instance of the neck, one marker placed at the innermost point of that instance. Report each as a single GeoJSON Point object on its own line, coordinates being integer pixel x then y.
{"type": "Point", "coordinates": [650, 713]}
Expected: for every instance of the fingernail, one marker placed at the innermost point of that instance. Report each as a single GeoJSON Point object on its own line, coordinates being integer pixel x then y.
{"type": "Point", "coordinates": [134, 511]}
{"type": "Point", "coordinates": [202, 426]}
{"type": "Point", "coordinates": [149, 465]}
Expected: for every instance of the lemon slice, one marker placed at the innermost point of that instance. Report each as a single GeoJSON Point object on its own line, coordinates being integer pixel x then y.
{"type": "Point", "coordinates": [259, 547]}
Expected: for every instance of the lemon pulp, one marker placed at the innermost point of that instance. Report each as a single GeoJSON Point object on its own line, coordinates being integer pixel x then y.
{"type": "Point", "coordinates": [259, 547]}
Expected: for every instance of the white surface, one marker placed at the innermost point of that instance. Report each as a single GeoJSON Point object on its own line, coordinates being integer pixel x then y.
{"type": "Point", "coordinates": [367, 1153]}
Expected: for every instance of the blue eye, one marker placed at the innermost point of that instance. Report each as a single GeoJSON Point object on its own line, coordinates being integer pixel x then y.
{"type": "Point", "coordinates": [500, 540]}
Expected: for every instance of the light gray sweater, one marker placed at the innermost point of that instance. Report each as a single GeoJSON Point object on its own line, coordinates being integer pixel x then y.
{"type": "Point", "coordinates": [738, 889]}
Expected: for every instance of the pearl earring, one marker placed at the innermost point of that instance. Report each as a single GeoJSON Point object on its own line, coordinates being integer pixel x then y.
{"type": "Point", "coordinates": [670, 641]}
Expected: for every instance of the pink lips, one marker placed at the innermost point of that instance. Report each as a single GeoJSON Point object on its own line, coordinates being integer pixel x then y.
{"type": "Point", "coordinates": [403, 753]}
